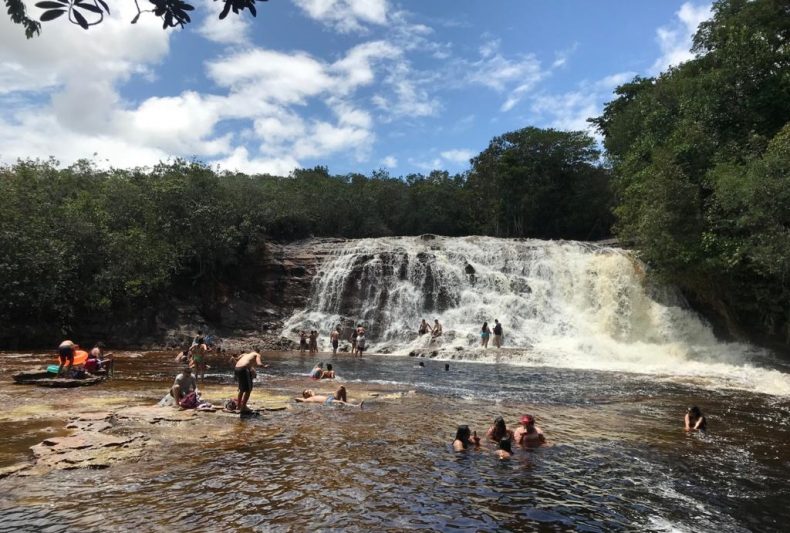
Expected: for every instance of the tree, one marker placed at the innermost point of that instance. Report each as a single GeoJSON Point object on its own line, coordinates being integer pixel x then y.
{"type": "Point", "coordinates": [701, 167]}
{"type": "Point", "coordinates": [541, 183]}
{"type": "Point", "coordinates": [87, 13]}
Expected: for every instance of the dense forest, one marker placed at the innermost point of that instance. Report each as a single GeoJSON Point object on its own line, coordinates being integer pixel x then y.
{"type": "Point", "coordinates": [695, 176]}
{"type": "Point", "coordinates": [82, 242]}
{"type": "Point", "coordinates": [701, 158]}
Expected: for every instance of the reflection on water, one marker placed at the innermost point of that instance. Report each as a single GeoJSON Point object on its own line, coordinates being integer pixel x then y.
{"type": "Point", "coordinates": [619, 459]}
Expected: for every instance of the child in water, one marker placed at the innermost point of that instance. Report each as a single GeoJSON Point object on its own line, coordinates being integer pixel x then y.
{"type": "Point", "coordinates": [505, 451]}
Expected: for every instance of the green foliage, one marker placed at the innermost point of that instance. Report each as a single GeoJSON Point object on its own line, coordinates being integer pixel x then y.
{"type": "Point", "coordinates": [702, 166]}
{"type": "Point", "coordinates": [541, 183]}
{"type": "Point", "coordinates": [81, 243]}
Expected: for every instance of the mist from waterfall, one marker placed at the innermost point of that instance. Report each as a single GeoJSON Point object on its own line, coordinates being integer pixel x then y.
{"type": "Point", "coordinates": [562, 304]}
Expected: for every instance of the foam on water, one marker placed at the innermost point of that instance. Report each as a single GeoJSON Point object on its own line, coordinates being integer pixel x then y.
{"type": "Point", "coordinates": [562, 304]}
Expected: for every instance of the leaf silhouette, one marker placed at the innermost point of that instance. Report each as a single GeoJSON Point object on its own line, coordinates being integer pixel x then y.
{"type": "Point", "coordinates": [51, 14]}
{"type": "Point", "coordinates": [49, 5]}
{"type": "Point", "coordinates": [90, 7]}
{"type": "Point", "coordinates": [105, 6]}
{"type": "Point", "coordinates": [80, 19]}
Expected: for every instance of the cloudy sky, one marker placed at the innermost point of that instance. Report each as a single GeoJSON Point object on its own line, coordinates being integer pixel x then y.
{"type": "Point", "coordinates": [356, 85]}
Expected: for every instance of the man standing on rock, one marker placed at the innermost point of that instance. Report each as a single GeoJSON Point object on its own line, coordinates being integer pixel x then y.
{"type": "Point", "coordinates": [245, 374]}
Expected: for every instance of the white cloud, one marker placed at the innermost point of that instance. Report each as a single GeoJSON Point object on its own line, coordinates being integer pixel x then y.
{"type": "Point", "coordinates": [561, 57]}
{"type": "Point", "coordinates": [457, 156]}
{"type": "Point", "coordinates": [390, 161]}
{"type": "Point", "coordinates": [674, 40]}
{"type": "Point", "coordinates": [515, 76]}
{"type": "Point", "coordinates": [570, 110]}
{"type": "Point", "coordinates": [234, 29]}
{"type": "Point", "coordinates": [346, 16]}
{"type": "Point", "coordinates": [240, 160]}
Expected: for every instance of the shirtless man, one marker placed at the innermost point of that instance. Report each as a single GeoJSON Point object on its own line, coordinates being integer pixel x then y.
{"type": "Point", "coordinates": [66, 351]}
{"type": "Point", "coordinates": [529, 434]}
{"type": "Point", "coordinates": [334, 337]}
{"type": "Point", "coordinates": [424, 328]}
{"type": "Point", "coordinates": [245, 373]}
{"type": "Point", "coordinates": [183, 385]}
{"type": "Point", "coordinates": [436, 332]}
{"type": "Point", "coordinates": [338, 398]}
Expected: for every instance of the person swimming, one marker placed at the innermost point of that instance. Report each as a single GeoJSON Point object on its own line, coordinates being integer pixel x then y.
{"type": "Point", "coordinates": [499, 430]}
{"type": "Point", "coordinates": [695, 420]}
{"type": "Point", "coordinates": [529, 434]}
{"type": "Point", "coordinates": [504, 449]}
{"type": "Point", "coordinates": [464, 438]}
{"type": "Point", "coordinates": [329, 373]}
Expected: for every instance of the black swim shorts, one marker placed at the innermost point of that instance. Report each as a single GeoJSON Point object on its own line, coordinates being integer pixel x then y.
{"type": "Point", "coordinates": [66, 353]}
{"type": "Point", "coordinates": [244, 377]}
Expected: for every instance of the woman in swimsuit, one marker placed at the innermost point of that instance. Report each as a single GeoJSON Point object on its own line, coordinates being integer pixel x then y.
{"type": "Point", "coordinates": [464, 438]}
{"type": "Point", "coordinates": [485, 333]}
{"type": "Point", "coordinates": [317, 371]}
{"type": "Point", "coordinates": [499, 430]}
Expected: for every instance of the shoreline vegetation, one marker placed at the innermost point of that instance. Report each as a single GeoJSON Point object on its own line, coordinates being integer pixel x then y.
{"type": "Point", "coordinates": [695, 178]}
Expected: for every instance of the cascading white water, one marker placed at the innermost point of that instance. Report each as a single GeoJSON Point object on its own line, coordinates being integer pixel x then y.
{"type": "Point", "coordinates": [562, 304]}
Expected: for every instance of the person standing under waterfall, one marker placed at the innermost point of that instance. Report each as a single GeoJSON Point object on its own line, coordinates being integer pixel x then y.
{"type": "Point", "coordinates": [334, 337]}
{"type": "Point", "coordinates": [313, 341]}
{"type": "Point", "coordinates": [485, 333]}
{"type": "Point", "coordinates": [302, 341]}
{"type": "Point", "coordinates": [353, 341]}
{"type": "Point", "coordinates": [497, 333]}
{"type": "Point", "coordinates": [360, 340]}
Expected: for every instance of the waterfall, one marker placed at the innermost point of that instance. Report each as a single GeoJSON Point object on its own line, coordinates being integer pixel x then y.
{"type": "Point", "coordinates": [561, 303]}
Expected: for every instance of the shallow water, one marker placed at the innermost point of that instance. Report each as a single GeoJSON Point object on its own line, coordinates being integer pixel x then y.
{"type": "Point", "coordinates": [618, 459]}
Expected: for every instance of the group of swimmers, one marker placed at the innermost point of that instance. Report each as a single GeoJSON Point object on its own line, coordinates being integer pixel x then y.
{"type": "Point", "coordinates": [97, 360]}
{"type": "Point", "coordinates": [528, 435]}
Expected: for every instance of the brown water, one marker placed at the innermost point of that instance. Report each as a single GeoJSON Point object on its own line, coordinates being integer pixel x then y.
{"type": "Point", "coordinates": [618, 459]}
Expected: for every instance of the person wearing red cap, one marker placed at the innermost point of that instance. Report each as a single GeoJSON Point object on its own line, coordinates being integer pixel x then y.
{"type": "Point", "coordinates": [529, 434]}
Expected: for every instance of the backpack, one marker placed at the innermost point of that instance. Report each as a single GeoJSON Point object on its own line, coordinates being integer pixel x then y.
{"type": "Point", "coordinates": [190, 401]}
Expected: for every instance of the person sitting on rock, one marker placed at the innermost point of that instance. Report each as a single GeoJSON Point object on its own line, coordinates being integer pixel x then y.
{"type": "Point", "coordinates": [105, 360]}
{"type": "Point", "coordinates": [340, 397]}
{"type": "Point", "coordinates": [184, 384]}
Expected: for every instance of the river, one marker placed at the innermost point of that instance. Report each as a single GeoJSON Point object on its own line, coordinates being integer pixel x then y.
{"type": "Point", "coordinates": [617, 459]}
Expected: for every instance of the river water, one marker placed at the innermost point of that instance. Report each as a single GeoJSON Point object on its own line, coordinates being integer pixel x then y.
{"type": "Point", "coordinates": [617, 460]}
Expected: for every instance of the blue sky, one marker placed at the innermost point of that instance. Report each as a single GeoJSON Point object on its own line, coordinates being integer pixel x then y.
{"type": "Point", "coordinates": [356, 85]}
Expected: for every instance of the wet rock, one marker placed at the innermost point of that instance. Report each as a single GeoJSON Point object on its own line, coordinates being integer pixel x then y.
{"type": "Point", "coordinates": [154, 414]}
